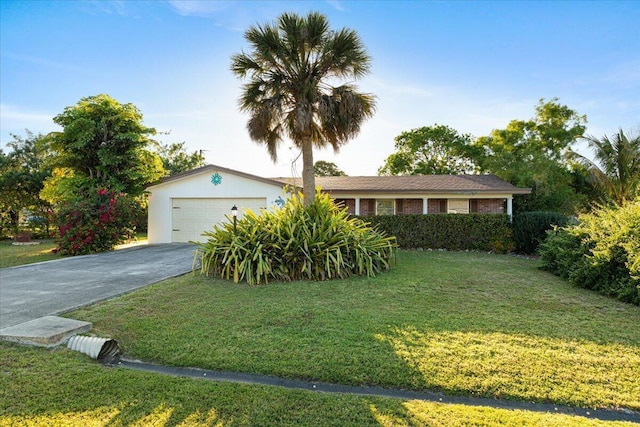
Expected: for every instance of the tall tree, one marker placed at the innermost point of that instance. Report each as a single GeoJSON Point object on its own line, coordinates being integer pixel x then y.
{"type": "Point", "coordinates": [436, 149]}
{"type": "Point", "coordinates": [323, 168]}
{"type": "Point", "coordinates": [175, 158]}
{"type": "Point", "coordinates": [532, 153]}
{"type": "Point", "coordinates": [615, 170]}
{"type": "Point", "coordinates": [292, 66]}
{"type": "Point", "coordinates": [106, 143]}
{"type": "Point", "coordinates": [23, 171]}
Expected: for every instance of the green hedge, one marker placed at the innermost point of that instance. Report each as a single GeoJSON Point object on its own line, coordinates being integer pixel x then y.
{"type": "Point", "coordinates": [481, 232]}
{"type": "Point", "coordinates": [530, 229]}
{"type": "Point", "coordinates": [601, 252]}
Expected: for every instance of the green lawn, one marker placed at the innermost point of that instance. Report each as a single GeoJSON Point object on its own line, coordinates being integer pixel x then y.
{"type": "Point", "coordinates": [43, 388]}
{"type": "Point", "coordinates": [462, 323]}
{"type": "Point", "coordinates": [12, 255]}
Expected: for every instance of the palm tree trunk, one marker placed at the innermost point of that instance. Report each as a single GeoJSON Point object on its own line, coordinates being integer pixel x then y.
{"type": "Point", "coordinates": [308, 175]}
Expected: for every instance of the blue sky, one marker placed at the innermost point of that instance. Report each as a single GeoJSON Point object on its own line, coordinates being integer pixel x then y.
{"type": "Point", "coordinates": [471, 65]}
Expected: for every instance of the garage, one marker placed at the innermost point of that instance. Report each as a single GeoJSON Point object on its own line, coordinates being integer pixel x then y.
{"type": "Point", "coordinates": [191, 217]}
{"type": "Point", "coordinates": [183, 206]}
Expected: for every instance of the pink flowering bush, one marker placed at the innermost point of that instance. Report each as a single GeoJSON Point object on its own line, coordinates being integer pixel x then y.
{"type": "Point", "coordinates": [95, 221]}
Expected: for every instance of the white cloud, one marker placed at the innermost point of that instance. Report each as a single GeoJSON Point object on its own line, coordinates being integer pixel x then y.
{"type": "Point", "coordinates": [198, 7]}
{"type": "Point", "coordinates": [41, 61]}
{"type": "Point", "coordinates": [337, 5]}
{"type": "Point", "coordinates": [13, 113]}
{"type": "Point", "coordinates": [114, 7]}
{"type": "Point", "coordinates": [14, 120]}
{"type": "Point", "coordinates": [384, 87]}
{"type": "Point", "coordinates": [626, 73]}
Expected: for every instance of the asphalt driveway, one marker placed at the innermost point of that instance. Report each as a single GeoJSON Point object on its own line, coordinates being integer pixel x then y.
{"type": "Point", "coordinates": [32, 291]}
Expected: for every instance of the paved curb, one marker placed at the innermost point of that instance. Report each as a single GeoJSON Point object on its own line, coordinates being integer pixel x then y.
{"type": "Point", "coordinates": [238, 377]}
{"type": "Point", "coordinates": [47, 331]}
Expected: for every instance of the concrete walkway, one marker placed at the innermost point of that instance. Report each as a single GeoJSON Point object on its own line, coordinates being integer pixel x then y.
{"type": "Point", "coordinates": [32, 295]}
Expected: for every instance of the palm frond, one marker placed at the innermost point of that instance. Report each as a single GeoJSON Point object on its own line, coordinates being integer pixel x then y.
{"type": "Point", "coordinates": [290, 66]}
{"type": "Point", "coordinates": [615, 169]}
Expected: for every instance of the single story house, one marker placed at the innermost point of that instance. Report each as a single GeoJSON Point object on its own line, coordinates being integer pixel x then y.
{"type": "Point", "coordinates": [183, 206]}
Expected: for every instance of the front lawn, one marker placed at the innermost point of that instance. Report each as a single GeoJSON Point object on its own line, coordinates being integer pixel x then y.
{"type": "Point", "coordinates": [44, 388]}
{"type": "Point", "coordinates": [461, 323]}
{"type": "Point", "coordinates": [12, 255]}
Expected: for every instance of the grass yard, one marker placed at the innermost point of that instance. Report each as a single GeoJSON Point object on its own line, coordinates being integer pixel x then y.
{"type": "Point", "coordinates": [43, 388]}
{"type": "Point", "coordinates": [462, 323]}
{"type": "Point", "coordinates": [12, 255]}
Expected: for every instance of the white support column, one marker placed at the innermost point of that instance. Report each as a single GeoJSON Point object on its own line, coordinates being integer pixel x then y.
{"type": "Point", "coordinates": [425, 205]}
{"type": "Point", "coordinates": [357, 205]}
{"type": "Point", "coordinates": [510, 207]}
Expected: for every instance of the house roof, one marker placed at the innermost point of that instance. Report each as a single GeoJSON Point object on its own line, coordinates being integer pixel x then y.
{"type": "Point", "coordinates": [215, 168]}
{"type": "Point", "coordinates": [434, 184]}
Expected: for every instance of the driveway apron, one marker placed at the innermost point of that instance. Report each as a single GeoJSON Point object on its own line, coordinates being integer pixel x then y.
{"type": "Point", "coordinates": [32, 291]}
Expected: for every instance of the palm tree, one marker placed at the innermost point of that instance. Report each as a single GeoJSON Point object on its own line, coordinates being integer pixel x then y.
{"type": "Point", "coordinates": [291, 67]}
{"type": "Point", "coordinates": [615, 169]}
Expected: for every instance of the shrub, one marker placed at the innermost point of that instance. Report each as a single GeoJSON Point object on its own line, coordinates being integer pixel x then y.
{"type": "Point", "coordinates": [95, 221]}
{"type": "Point", "coordinates": [482, 232]}
{"type": "Point", "coordinates": [530, 228]}
{"type": "Point", "coordinates": [317, 242]}
{"type": "Point", "coordinates": [601, 253]}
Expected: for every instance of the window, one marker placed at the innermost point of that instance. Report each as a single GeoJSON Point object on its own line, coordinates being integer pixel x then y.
{"type": "Point", "coordinates": [460, 206]}
{"type": "Point", "coordinates": [384, 207]}
{"type": "Point", "coordinates": [437, 206]}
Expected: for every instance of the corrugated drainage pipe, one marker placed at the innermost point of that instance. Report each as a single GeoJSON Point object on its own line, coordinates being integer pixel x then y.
{"type": "Point", "coordinates": [102, 349]}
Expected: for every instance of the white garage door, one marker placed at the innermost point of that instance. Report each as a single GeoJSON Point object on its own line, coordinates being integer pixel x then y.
{"type": "Point", "coordinates": [192, 217]}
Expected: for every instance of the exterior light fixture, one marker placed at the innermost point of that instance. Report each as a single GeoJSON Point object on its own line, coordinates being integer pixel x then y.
{"type": "Point", "coordinates": [234, 212]}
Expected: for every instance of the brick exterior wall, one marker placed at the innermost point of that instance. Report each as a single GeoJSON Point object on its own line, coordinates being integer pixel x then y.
{"type": "Point", "coordinates": [488, 206]}
{"type": "Point", "coordinates": [409, 207]}
{"type": "Point", "coordinates": [415, 206]}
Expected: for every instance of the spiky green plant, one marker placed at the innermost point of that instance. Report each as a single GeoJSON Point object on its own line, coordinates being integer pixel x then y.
{"type": "Point", "coordinates": [315, 242]}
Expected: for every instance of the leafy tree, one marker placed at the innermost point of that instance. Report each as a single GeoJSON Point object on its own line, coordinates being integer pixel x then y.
{"type": "Point", "coordinates": [291, 67]}
{"type": "Point", "coordinates": [615, 170]}
{"type": "Point", "coordinates": [23, 171]}
{"type": "Point", "coordinates": [428, 150]}
{"type": "Point", "coordinates": [323, 168]}
{"type": "Point", "coordinates": [532, 153]}
{"type": "Point", "coordinates": [106, 143]}
{"type": "Point", "coordinates": [175, 158]}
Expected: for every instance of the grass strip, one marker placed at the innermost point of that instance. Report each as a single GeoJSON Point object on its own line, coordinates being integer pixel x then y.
{"type": "Point", "coordinates": [459, 323]}
{"type": "Point", "coordinates": [40, 387]}
{"type": "Point", "coordinates": [13, 255]}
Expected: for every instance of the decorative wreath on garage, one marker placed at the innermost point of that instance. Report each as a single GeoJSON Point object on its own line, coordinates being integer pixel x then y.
{"type": "Point", "coordinates": [216, 179]}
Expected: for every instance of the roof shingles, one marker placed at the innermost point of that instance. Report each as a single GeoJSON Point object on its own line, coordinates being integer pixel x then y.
{"type": "Point", "coordinates": [413, 184]}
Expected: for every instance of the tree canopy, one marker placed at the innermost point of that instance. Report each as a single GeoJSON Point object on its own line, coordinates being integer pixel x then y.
{"type": "Point", "coordinates": [176, 159]}
{"type": "Point", "coordinates": [22, 174]}
{"type": "Point", "coordinates": [104, 142]}
{"type": "Point", "coordinates": [324, 168]}
{"type": "Point", "coordinates": [292, 66]}
{"type": "Point", "coordinates": [527, 153]}
{"type": "Point", "coordinates": [436, 149]}
{"type": "Point", "coordinates": [532, 153]}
